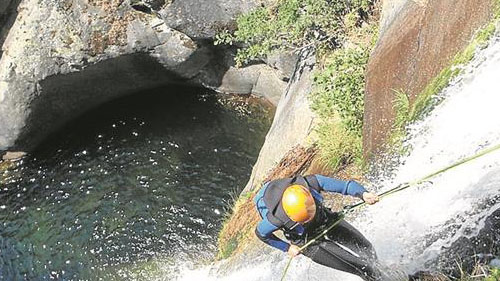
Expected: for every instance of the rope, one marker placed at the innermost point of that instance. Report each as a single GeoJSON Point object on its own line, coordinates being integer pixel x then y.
{"type": "Point", "coordinates": [325, 231]}
{"type": "Point", "coordinates": [398, 188]}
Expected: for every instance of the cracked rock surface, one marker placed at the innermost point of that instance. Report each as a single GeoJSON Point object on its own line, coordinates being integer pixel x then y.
{"type": "Point", "coordinates": [63, 57]}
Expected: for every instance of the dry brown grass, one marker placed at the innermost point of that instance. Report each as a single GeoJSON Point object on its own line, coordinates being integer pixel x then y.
{"type": "Point", "coordinates": [238, 229]}
{"type": "Point", "coordinates": [239, 226]}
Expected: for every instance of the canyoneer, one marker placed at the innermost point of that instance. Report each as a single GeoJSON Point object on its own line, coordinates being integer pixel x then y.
{"type": "Point", "coordinates": [294, 205]}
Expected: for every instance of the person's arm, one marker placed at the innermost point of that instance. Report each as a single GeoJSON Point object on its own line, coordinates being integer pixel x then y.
{"type": "Point", "coordinates": [264, 232]}
{"type": "Point", "coordinates": [347, 188]}
{"type": "Point", "coordinates": [265, 228]}
{"type": "Point", "coordinates": [339, 186]}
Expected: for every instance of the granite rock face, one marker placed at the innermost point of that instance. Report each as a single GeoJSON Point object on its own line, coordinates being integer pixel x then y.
{"type": "Point", "coordinates": [62, 38]}
{"type": "Point", "coordinates": [63, 57]}
{"type": "Point", "coordinates": [418, 38]}
{"type": "Point", "coordinates": [284, 63]}
{"type": "Point", "coordinates": [293, 120]}
{"type": "Point", "coordinates": [8, 13]}
{"type": "Point", "coordinates": [201, 19]}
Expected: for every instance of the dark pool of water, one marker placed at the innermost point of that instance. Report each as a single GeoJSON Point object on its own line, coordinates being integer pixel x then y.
{"type": "Point", "coordinates": [134, 190]}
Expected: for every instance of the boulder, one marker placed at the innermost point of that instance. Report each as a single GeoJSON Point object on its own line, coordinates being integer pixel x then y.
{"type": "Point", "coordinates": [82, 55]}
{"type": "Point", "coordinates": [284, 62]}
{"type": "Point", "coordinates": [202, 19]}
{"type": "Point", "coordinates": [179, 53]}
{"type": "Point", "coordinates": [417, 40]}
{"type": "Point", "coordinates": [269, 85]}
{"type": "Point", "coordinates": [13, 155]}
{"type": "Point", "coordinates": [221, 75]}
{"type": "Point", "coordinates": [88, 52]}
{"type": "Point", "coordinates": [259, 80]}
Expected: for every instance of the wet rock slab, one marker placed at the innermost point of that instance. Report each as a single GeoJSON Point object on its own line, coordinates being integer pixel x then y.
{"type": "Point", "coordinates": [417, 40]}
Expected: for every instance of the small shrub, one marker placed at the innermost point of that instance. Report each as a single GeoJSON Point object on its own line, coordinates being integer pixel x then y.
{"type": "Point", "coordinates": [401, 107]}
{"type": "Point", "coordinates": [293, 24]}
{"type": "Point", "coordinates": [340, 87]}
{"type": "Point", "coordinates": [338, 145]}
{"type": "Point", "coordinates": [228, 248]}
{"type": "Point", "coordinates": [338, 99]}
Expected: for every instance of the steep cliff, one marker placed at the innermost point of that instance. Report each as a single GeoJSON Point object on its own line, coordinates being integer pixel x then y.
{"type": "Point", "coordinates": [417, 40]}
{"type": "Point", "coordinates": [293, 121]}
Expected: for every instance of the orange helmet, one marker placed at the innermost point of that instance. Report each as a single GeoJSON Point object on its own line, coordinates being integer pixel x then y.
{"type": "Point", "coordinates": [298, 203]}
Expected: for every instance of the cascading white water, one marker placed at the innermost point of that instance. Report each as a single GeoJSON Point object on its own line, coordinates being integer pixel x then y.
{"type": "Point", "coordinates": [409, 229]}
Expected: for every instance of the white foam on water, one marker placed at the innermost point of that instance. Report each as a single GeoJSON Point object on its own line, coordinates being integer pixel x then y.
{"type": "Point", "coordinates": [258, 272]}
{"type": "Point", "coordinates": [270, 270]}
{"type": "Point", "coordinates": [407, 228]}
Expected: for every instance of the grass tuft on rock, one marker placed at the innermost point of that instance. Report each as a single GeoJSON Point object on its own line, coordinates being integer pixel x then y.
{"type": "Point", "coordinates": [338, 99]}
{"type": "Point", "coordinates": [406, 113]}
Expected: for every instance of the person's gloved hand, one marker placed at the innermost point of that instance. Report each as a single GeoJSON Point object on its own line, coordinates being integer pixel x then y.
{"type": "Point", "coordinates": [293, 250]}
{"type": "Point", "coordinates": [370, 198]}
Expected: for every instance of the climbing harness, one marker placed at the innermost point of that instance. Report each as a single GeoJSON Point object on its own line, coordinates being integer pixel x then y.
{"type": "Point", "coordinates": [403, 186]}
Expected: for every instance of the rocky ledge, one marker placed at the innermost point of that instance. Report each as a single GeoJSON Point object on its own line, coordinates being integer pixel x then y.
{"type": "Point", "coordinates": [62, 57]}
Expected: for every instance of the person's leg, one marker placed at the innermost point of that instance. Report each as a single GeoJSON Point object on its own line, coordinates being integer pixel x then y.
{"type": "Point", "coordinates": [345, 234]}
{"type": "Point", "coordinates": [329, 254]}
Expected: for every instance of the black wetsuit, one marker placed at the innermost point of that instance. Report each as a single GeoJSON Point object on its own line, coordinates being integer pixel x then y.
{"type": "Point", "coordinates": [343, 247]}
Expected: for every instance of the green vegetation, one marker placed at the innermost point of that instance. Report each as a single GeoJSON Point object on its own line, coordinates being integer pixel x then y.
{"type": "Point", "coordinates": [338, 96]}
{"type": "Point", "coordinates": [494, 275]}
{"type": "Point", "coordinates": [341, 33]}
{"type": "Point", "coordinates": [293, 24]}
{"type": "Point", "coordinates": [338, 99]}
{"type": "Point", "coordinates": [339, 87]}
{"type": "Point", "coordinates": [226, 250]}
{"type": "Point", "coordinates": [338, 146]}
{"type": "Point", "coordinates": [401, 107]}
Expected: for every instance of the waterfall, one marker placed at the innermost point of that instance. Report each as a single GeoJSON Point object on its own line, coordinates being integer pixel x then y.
{"type": "Point", "coordinates": [412, 228]}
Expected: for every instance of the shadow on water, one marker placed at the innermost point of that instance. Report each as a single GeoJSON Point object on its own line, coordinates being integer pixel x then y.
{"type": "Point", "coordinates": [133, 189]}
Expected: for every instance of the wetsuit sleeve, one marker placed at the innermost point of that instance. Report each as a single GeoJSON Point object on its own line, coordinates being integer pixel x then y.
{"type": "Point", "coordinates": [264, 231]}
{"type": "Point", "coordinates": [339, 186]}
